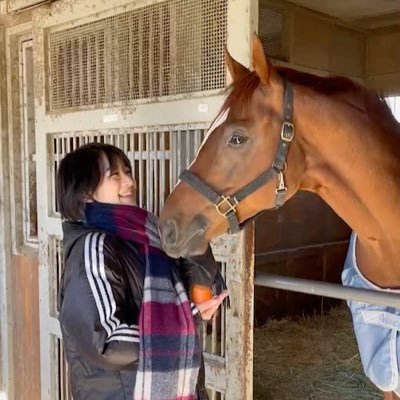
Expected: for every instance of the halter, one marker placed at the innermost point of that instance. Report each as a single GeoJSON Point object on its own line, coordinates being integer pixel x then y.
{"type": "Point", "coordinates": [227, 205]}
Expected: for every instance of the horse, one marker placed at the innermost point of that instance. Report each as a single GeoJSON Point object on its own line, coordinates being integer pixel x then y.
{"type": "Point", "coordinates": [280, 131]}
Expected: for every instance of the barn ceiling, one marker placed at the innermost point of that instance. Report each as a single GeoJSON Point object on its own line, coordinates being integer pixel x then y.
{"type": "Point", "coordinates": [366, 13]}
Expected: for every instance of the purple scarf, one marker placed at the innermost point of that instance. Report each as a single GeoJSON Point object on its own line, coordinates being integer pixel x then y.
{"type": "Point", "coordinates": [170, 353]}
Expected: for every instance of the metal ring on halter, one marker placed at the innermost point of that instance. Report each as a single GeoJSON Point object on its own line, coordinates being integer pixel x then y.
{"type": "Point", "coordinates": [231, 203]}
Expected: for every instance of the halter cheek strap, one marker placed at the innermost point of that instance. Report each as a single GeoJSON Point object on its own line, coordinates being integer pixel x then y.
{"type": "Point", "coordinates": [226, 205]}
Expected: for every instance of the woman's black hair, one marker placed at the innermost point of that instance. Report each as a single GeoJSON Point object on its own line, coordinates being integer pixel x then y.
{"type": "Point", "coordinates": [80, 173]}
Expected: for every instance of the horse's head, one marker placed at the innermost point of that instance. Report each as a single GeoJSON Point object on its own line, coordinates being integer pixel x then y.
{"type": "Point", "coordinates": [244, 165]}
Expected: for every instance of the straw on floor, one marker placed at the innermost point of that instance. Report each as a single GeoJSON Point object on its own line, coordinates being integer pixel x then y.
{"type": "Point", "coordinates": [312, 358]}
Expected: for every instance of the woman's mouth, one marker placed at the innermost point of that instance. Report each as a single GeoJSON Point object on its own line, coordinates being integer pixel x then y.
{"type": "Point", "coordinates": [130, 194]}
{"type": "Point", "coordinates": [127, 198]}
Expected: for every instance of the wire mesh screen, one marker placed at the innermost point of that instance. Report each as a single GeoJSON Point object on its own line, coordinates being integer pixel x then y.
{"type": "Point", "coordinates": [168, 48]}
{"type": "Point", "coordinates": [270, 31]}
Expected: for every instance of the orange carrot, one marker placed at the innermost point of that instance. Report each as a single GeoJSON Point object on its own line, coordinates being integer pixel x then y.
{"type": "Point", "coordinates": [201, 294]}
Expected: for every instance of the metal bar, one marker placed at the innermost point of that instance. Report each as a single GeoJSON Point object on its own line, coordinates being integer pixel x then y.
{"type": "Point", "coordinates": [161, 60]}
{"type": "Point", "coordinates": [223, 316]}
{"type": "Point", "coordinates": [80, 56]}
{"type": "Point", "coordinates": [116, 51]}
{"type": "Point", "coordinates": [328, 290]}
{"type": "Point", "coordinates": [268, 256]}
{"type": "Point", "coordinates": [149, 174]}
{"type": "Point", "coordinates": [97, 66]}
{"type": "Point", "coordinates": [156, 174]}
{"type": "Point", "coordinates": [163, 173]}
{"type": "Point", "coordinates": [141, 58]}
{"type": "Point", "coordinates": [65, 65]}
{"type": "Point", "coordinates": [214, 335]}
{"type": "Point", "coordinates": [130, 57]}
{"type": "Point", "coordinates": [89, 73]}
{"type": "Point", "coordinates": [141, 188]}
{"type": "Point", "coordinates": [150, 65]}
{"type": "Point", "coordinates": [73, 74]}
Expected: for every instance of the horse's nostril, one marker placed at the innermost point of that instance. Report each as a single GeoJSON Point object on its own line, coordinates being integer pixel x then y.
{"type": "Point", "coordinates": [169, 233]}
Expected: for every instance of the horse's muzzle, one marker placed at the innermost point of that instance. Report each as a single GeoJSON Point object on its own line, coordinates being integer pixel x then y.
{"type": "Point", "coordinates": [178, 242]}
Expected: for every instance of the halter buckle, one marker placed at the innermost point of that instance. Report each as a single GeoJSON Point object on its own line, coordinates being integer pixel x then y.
{"type": "Point", "coordinates": [287, 131]}
{"type": "Point", "coordinates": [226, 201]}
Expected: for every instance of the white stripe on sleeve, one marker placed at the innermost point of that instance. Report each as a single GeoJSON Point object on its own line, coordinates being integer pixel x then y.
{"type": "Point", "coordinates": [102, 291]}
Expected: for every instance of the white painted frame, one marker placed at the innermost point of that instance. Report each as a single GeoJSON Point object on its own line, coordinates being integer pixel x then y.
{"type": "Point", "coordinates": [242, 22]}
{"type": "Point", "coordinates": [6, 334]}
{"type": "Point", "coordinates": [6, 231]}
{"type": "Point", "coordinates": [19, 33]}
{"type": "Point", "coordinates": [21, 5]}
{"type": "Point", "coordinates": [25, 42]}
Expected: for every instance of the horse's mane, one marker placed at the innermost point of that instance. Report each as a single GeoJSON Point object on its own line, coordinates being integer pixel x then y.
{"type": "Point", "coordinates": [240, 93]}
{"type": "Point", "coordinates": [324, 85]}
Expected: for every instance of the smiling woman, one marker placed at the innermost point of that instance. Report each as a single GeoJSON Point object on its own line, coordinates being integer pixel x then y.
{"type": "Point", "coordinates": [117, 185]}
{"type": "Point", "coordinates": [96, 172]}
{"type": "Point", "coordinates": [121, 297]}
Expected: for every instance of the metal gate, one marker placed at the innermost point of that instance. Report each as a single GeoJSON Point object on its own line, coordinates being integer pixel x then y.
{"type": "Point", "coordinates": [148, 77]}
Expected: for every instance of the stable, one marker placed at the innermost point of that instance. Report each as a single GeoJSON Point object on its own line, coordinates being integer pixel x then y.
{"type": "Point", "coordinates": [149, 77]}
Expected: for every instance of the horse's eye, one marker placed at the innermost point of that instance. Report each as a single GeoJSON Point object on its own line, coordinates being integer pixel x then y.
{"type": "Point", "coordinates": [237, 139]}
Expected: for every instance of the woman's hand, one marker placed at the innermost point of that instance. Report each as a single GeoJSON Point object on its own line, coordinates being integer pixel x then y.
{"type": "Point", "coordinates": [208, 308]}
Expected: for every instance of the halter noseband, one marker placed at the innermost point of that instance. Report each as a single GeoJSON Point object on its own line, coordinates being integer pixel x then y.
{"type": "Point", "coordinates": [227, 205]}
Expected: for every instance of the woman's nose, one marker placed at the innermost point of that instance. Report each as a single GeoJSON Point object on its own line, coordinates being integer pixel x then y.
{"type": "Point", "coordinates": [128, 180]}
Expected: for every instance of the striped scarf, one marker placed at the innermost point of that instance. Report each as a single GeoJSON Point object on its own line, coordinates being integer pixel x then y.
{"type": "Point", "coordinates": [170, 353]}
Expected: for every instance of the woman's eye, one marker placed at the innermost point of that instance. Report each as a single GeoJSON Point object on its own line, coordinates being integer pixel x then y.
{"type": "Point", "coordinates": [237, 139]}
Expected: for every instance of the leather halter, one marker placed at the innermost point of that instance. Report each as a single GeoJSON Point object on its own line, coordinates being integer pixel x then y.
{"type": "Point", "coordinates": [227, 205]}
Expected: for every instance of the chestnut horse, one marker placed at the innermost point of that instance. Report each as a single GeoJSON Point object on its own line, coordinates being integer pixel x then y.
{"type": "Point", "coordinates": [280, 131]}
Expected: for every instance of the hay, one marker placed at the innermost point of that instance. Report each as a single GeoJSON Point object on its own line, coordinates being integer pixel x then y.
{"type": "Point", "coordinates": [312, 358]}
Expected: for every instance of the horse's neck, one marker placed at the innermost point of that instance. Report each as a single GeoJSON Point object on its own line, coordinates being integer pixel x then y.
{"type": "Point", "coordinates": [354, 166]}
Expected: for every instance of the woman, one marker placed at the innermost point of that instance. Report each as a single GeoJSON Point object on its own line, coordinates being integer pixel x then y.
{"type": "Point", "coordinates": [126, 322]}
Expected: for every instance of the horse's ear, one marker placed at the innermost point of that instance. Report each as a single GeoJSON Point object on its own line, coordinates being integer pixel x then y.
{"type": "Point", "coordinates": [261, 63]}
{"type": "Point", "coordinates": [236, 69]}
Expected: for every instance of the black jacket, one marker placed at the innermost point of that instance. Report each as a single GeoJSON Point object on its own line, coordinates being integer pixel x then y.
{"type": "Point", "coordinates": [99, 302]}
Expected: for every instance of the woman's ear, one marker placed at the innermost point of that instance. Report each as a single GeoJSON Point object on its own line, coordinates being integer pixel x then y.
{"type": "Point", "coordinates": [87, 198]}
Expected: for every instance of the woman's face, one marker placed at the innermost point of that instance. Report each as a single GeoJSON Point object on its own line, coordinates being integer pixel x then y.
{"type": "Point", "coordinates": [117, 186]}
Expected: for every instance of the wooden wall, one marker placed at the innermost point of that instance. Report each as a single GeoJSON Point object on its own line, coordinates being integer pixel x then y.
{"type": "Point", "coordinates": [383, 59]}
{"type": "Point", "coordinates": [317, 42]}
{"type": "Point", "coordinates": [22, 273]}
{"type": "Point", "coordinates": [303, 239]}
{"type": "Point", "coordinates": [320, 43]}
{"type": "Point", "coordinates": [25, 320]}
